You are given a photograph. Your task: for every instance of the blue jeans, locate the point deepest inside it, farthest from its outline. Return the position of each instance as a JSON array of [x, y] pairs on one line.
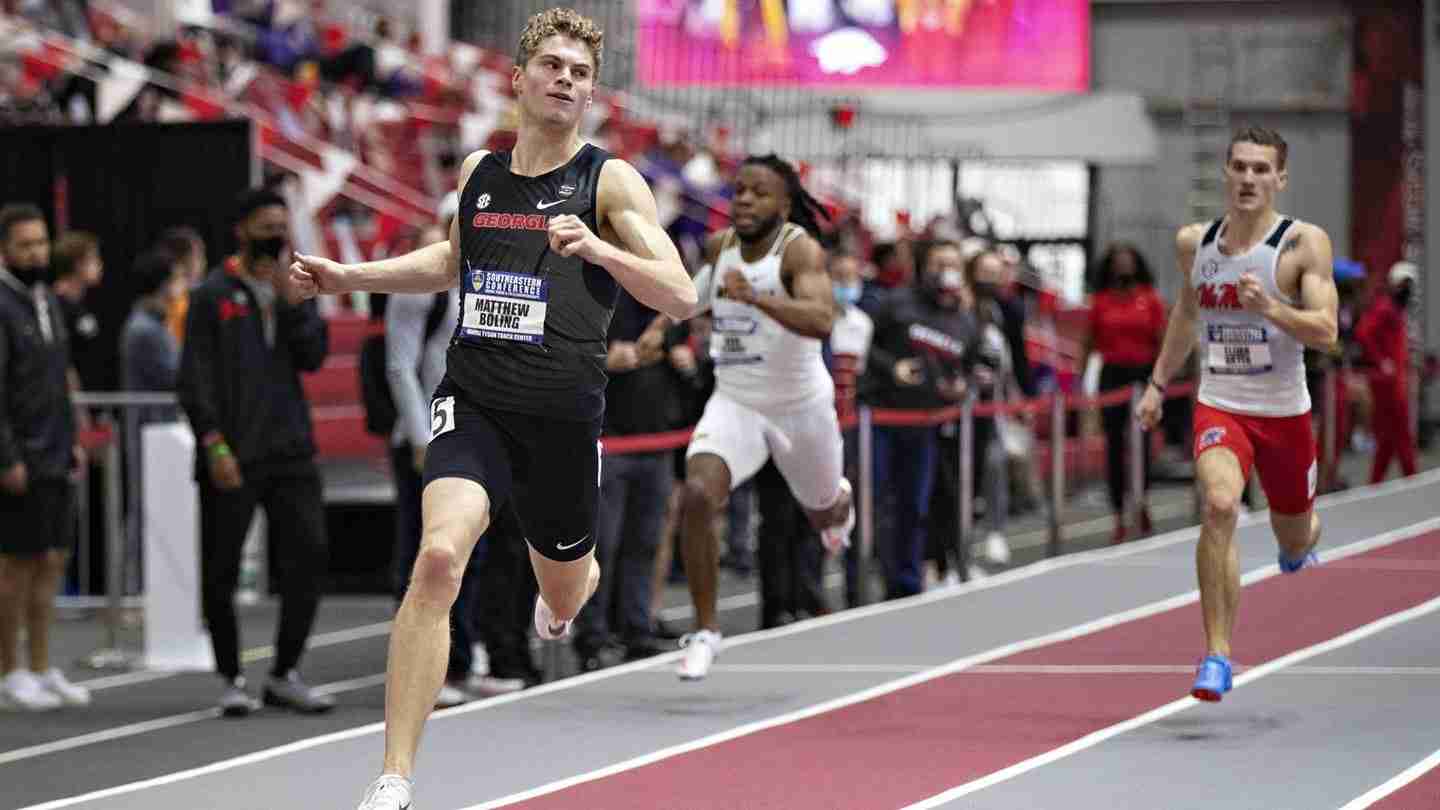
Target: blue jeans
[[905, 465]]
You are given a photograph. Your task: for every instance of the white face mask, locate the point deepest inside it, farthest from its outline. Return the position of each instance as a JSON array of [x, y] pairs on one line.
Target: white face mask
[[951, 280]]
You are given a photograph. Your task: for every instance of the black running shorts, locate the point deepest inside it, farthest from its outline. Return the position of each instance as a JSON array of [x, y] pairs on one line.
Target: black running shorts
[[550, 466], [41, 520]]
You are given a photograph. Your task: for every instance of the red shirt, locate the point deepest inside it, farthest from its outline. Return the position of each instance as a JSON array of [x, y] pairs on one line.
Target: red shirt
[[1382, 335], [1127, 325]]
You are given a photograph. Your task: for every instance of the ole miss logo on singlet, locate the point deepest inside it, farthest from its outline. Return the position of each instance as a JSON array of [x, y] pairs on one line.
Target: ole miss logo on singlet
[[1219, 296]]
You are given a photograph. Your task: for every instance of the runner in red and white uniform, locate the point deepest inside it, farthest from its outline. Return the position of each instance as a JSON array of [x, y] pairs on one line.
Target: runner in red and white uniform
[[1259, 290]]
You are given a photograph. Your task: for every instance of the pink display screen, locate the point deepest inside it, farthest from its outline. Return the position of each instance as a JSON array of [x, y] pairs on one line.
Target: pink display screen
[[850, 44]]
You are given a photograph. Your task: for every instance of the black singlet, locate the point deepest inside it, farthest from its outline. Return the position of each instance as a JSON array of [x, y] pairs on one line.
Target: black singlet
[[531, 334]]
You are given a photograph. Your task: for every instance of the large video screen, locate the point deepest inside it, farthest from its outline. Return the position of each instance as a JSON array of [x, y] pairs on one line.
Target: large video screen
[[853, 44]]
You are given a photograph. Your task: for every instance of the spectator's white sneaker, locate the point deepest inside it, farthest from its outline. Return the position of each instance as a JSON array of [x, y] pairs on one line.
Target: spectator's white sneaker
[[389, 792], [545, 625], [701, 650], [23, 690], [56, 684], [997, 550], [450, 697], [491, 685], [837, 537]]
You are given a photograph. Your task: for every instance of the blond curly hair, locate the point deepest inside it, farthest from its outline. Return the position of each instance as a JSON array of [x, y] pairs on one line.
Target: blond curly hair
[[566, 22]]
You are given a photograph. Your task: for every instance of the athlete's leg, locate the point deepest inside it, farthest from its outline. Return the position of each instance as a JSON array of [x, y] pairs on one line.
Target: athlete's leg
[[1296, 534], [728, 447], [810, 452], [565, 586], [1286, 463], [707, 487], [456, 512], [1217, 564]]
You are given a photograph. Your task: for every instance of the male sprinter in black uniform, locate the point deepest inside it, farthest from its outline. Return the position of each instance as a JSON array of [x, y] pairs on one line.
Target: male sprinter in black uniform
[[544, 234]]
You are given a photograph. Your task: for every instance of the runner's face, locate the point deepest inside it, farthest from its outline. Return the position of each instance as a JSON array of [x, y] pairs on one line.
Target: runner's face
[[556, 85], [1253, 178], [760, 203]]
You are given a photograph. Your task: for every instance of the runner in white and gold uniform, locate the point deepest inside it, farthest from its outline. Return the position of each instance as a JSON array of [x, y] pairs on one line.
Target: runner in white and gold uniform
[[772, 304]]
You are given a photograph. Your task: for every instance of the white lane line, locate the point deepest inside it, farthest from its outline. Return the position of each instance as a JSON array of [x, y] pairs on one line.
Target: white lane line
[[1014, 575], [1394, 783], [1249, 676], [967, 662], [161, 723], [1057, 669], [249, 656]]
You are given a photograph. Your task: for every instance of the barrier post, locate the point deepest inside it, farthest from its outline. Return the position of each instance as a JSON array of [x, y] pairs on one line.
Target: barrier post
[[1057, 472], [866, 463], [112, 656], [967, 479], [1135, 458], [82, 527]]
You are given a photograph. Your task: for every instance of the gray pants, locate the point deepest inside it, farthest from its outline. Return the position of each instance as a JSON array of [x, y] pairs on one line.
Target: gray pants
[[634, 490], [993, 471]]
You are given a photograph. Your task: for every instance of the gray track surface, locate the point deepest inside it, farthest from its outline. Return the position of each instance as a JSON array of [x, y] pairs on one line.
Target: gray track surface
[[493, 749]]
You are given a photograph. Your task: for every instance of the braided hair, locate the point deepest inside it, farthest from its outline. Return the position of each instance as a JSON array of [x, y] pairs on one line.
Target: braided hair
[[805, 210]]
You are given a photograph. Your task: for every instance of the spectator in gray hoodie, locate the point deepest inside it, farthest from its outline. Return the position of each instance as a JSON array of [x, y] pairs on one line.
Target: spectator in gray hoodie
[[150, 356]]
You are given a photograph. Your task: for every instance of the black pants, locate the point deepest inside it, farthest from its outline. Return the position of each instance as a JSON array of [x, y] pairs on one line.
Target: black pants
[[634, 491], [409, 524], [290, 493], [789, 551], [942, 537], [1117, 431], [505, 599]]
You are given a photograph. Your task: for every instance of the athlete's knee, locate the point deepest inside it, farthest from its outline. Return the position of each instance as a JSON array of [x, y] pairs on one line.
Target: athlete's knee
[[1220, 506], [437, 574], [703, 495]]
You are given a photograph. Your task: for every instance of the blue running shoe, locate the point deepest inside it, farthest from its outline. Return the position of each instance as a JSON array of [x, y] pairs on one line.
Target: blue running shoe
[[1289, 566], [1213, 680]]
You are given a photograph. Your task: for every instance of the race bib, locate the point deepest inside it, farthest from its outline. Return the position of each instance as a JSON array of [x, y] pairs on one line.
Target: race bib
[[442, 417], [733, 340], [504, 306], [1238, 349]]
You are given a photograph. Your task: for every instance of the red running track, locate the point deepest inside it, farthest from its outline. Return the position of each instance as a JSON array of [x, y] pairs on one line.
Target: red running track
[[916, 742], [1424, 792]]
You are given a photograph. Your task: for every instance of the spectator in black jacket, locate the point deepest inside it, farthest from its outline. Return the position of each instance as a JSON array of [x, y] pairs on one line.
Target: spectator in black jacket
[[240, 386], [922, 338], [37, 451]]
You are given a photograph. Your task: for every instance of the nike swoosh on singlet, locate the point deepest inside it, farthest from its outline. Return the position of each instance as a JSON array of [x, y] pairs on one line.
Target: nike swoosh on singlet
[[541, 206], [559, 547]]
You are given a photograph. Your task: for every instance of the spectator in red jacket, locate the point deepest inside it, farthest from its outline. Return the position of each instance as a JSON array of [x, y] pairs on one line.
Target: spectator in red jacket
[[1383, 335], [1127, 326]]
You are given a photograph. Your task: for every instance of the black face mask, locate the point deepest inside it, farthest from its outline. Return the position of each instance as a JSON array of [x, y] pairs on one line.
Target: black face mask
[[1402, 296], [32, 275], [985, 289], [267, 248]]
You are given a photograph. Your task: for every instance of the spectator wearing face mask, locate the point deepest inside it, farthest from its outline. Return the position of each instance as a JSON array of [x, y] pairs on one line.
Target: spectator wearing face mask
[[916, 361], [1002, 371], [245, 347], [1127, 328], [1384, 335], [37, 453]]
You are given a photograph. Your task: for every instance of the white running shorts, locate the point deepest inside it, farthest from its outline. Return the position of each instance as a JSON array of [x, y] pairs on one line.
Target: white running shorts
[[805, 443]]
